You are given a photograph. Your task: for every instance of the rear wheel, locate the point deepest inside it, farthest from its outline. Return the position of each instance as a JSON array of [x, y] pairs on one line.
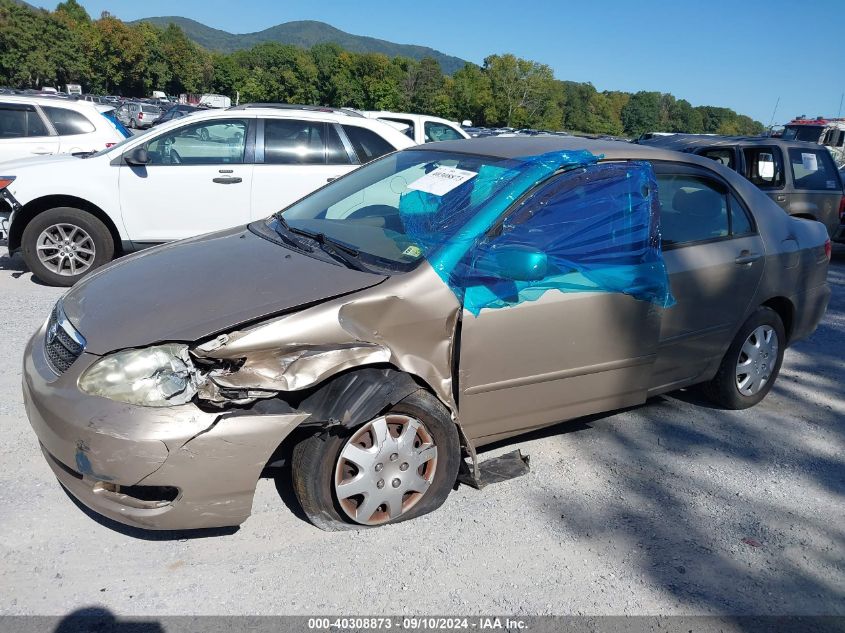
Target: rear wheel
[[62, 245], [397, 466], [751, 364]]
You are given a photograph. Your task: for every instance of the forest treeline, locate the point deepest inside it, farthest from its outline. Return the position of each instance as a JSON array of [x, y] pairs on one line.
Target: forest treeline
[[108, 56]]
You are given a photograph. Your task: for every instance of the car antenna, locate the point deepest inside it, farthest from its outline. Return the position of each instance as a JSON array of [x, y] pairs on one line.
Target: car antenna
[[772, 122]]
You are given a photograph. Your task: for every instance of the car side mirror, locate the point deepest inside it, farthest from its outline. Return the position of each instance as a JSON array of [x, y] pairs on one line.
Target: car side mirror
[[138, 156], [513, 262]]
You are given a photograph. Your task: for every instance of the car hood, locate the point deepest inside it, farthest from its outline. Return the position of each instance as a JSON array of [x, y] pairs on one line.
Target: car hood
[[188, 290]]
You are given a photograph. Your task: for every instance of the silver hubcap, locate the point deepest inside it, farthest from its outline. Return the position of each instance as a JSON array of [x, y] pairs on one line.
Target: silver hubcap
[[384, 469], [756, 360], [65, 249]]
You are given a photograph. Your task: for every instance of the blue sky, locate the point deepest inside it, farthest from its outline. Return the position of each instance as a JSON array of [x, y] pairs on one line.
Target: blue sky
[[742, 54]]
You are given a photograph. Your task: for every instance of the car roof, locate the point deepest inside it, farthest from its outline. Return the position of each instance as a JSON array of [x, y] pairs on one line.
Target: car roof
[[682, 141], [46, 100], [409, 115], [521, 146]]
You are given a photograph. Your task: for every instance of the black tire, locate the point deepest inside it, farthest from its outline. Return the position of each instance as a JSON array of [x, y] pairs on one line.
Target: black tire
[[723, 389], [132, 124], [103, 243], [315, 457]]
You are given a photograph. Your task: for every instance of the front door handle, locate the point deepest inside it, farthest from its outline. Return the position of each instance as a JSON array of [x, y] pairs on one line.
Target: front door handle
[[41, 151], [227, 180], [781, 198], [746, 258], [331, 178]]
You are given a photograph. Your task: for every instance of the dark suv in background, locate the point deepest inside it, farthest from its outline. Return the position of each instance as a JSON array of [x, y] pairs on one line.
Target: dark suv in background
[[801, 177]]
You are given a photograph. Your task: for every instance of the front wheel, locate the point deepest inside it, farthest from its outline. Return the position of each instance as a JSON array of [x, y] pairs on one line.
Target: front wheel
[[62, 245], [397, 466], [751, 364]]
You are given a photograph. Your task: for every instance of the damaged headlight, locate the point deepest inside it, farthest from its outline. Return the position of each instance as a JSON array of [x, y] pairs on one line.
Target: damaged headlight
[[159, 376]]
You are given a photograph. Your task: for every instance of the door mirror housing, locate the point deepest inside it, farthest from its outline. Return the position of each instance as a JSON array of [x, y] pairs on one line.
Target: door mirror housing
[[513, 262], [138, 156]]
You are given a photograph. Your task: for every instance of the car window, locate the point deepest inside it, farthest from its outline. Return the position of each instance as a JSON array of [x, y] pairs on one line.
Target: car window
[[151, 109], [203, 143], [20, 121], [691, 209], [336, 153], [294, 142], [724, 156], [740, 220], [409, 131], [368, 145], [811, 133], [812, 169], [763, 166], [67, 122], [440, 132]]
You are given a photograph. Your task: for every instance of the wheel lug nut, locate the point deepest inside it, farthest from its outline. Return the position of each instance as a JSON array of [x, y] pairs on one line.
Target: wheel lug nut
[[380, 484], [404, 466], [379, 467], [394, 457], [396, 483]]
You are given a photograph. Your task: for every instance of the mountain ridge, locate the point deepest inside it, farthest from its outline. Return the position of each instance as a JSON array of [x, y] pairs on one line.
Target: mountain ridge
[[302, 33]]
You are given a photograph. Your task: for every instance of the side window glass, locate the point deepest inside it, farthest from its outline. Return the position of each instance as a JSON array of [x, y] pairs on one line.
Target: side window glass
[[409, 130], [812, 169], [590, 229], [740, 222], [336, 153], [294, 142], [67, 122], [21, 122], [763, 166], [691, 209], [205, 143], [439, 132], [724, 156], [368, 145]]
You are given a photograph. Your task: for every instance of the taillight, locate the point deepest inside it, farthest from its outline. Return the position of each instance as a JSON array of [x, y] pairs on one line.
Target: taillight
[[140, 115], [842, 209], [5, 181], [828, 249], [108, 145]]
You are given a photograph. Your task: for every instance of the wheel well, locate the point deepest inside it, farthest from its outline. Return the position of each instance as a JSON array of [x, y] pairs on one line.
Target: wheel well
[[786, 312], [805, 216], [39, 205]]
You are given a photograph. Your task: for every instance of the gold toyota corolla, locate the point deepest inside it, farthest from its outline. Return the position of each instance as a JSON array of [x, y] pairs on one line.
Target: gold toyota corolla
[[387, 325]]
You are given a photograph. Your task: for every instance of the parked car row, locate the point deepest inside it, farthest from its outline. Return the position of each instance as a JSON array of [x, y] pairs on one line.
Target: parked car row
[[801, 177]]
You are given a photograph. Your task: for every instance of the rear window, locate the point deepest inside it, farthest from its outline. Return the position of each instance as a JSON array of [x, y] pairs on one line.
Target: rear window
[[151, 109], [67, 122], [813, 169], [811, 133]]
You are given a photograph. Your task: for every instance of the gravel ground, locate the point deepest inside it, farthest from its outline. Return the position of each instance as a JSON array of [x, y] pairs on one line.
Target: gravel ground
[[669, 508]]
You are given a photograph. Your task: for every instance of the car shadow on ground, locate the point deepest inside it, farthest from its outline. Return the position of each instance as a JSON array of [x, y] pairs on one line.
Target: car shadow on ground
[[17, 266], [102, 620]]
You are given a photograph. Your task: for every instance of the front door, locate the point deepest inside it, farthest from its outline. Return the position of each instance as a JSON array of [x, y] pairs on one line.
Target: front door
[[198, 180], [715, 259], [562, 305]]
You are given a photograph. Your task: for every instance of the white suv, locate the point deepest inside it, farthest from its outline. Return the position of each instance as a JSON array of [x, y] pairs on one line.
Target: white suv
[[33, 126], [213, 170], [421, 128]]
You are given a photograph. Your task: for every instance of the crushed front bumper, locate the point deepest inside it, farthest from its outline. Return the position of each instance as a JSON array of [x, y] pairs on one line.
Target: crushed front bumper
[[163, 468]]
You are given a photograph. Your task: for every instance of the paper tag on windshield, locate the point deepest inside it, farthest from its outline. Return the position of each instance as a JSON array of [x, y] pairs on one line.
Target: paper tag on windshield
[[442, 180], [810, 162]]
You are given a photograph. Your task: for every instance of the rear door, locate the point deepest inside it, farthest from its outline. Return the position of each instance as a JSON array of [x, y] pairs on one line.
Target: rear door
[[76, 132], [715, 259], [198, 180], [24, 133], [816, 186], [293, 158]]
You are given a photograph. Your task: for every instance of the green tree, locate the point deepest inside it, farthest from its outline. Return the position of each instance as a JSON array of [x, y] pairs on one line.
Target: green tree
[[641, 113], [520, 88]]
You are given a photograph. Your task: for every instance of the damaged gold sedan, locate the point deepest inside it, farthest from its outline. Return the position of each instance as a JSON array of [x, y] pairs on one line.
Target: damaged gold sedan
[[387, 325]]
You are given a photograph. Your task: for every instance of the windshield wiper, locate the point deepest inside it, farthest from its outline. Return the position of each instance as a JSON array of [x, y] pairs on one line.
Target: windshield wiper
[[343, 252], [287, 239]]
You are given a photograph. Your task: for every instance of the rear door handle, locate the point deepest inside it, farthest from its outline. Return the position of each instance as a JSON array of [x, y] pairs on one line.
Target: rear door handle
[[781, 198], [41, 151], [746, 257], [331, 178], [227, 180]]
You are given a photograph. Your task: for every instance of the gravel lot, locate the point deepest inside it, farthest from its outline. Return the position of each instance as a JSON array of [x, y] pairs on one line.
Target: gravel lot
[[645, 511]]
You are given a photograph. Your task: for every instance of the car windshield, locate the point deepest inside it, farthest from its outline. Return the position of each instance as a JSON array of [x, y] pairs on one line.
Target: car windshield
[[372, 209], [810, 133]]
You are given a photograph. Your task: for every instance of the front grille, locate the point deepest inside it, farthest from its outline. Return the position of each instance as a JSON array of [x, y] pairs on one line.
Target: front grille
[[61, 350]]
